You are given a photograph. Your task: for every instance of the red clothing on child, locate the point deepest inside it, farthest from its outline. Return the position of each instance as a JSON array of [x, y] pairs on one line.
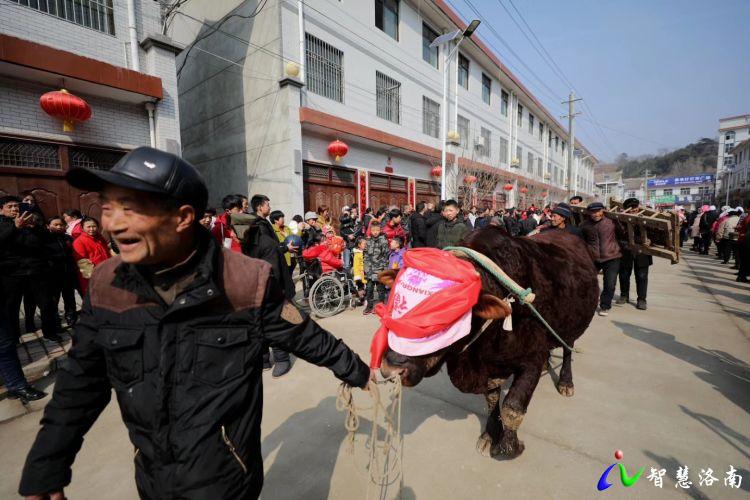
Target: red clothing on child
[[391, 232], [328, 260]]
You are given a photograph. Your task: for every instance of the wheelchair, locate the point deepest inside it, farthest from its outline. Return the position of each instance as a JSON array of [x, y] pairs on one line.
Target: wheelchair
[[325, 294]]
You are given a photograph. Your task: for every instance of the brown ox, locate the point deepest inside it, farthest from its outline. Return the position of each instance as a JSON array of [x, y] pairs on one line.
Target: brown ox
[[559, 269]]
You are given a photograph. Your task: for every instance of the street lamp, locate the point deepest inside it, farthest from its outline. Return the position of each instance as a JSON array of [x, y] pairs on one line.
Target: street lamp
[[445, 40]]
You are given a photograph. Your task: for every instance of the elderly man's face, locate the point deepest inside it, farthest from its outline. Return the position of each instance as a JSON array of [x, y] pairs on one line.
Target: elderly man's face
[[557, 220], [596, 215], [146, 232]]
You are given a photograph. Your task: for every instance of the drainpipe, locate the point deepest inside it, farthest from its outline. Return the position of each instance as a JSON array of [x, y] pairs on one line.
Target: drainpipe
[[151, 128], [134, 56]]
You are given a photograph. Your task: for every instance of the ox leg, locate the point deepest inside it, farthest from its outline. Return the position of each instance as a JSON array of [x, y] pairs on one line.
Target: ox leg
[[514, 408], [493, 428], [565, 382]]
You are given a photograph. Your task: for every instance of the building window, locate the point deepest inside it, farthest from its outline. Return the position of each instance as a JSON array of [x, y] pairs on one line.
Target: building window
[[463, 71], [24, 154], [557, 143], [684, 191], [539, 167], [557, 176], [388, 97], [504, 102], [549, 138], [563, 147], [651, 193], [463, 131], [531, 123], [430, 117], [324, 72], [667, 192], [484, 149], [541, 131], [519, 121], [704, 191], [503, 149], [429, 54], [486, 88], [728, 147], [519, 155], [530, 163], [386, 17], [729, 136], [94, 14]]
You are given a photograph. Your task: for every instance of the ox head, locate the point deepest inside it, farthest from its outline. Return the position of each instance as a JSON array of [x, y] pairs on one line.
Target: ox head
[[412, 369]]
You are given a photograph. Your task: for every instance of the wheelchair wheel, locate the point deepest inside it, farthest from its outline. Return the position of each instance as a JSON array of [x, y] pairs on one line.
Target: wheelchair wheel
[[326, 297]]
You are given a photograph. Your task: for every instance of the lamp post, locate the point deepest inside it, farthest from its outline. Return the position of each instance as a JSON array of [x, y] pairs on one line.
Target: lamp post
[[445, 40]]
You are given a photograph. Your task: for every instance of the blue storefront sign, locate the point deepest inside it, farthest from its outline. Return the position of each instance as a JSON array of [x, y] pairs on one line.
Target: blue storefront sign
[[687, 180]]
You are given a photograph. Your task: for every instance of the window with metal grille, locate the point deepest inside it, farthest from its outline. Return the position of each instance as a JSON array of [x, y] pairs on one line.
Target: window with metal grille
[[539, 167], [386, 17], [429, 54], [324, 68], [25, 154], [504, 102], [463, 71], [531, 123], [484, 146], [463, 131], [430, 117], [503, 149], [94, 14], [486, 88], [388, 97], [98, 159], [530, 163], [519, 121]]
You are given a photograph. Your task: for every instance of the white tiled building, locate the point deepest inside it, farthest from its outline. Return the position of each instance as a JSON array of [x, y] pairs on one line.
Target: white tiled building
[[361, 72], [738, 181], [732, 131], [89, 49]]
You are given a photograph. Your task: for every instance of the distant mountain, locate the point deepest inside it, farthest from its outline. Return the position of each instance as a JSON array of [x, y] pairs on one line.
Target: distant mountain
[[692, 159]]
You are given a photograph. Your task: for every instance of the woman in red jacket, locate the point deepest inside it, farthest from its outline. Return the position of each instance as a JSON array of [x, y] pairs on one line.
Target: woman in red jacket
[[322, 251], [89, 250]]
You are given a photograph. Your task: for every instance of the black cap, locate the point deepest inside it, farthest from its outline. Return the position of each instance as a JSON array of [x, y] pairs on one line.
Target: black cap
[[597, 205], [561, 211], [151, 171], [631, 203]]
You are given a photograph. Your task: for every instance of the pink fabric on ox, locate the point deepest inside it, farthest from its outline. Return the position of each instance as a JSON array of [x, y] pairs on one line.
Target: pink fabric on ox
[[412, 287]]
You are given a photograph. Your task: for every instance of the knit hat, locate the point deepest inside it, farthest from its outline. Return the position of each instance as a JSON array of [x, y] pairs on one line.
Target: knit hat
[[429, 307]]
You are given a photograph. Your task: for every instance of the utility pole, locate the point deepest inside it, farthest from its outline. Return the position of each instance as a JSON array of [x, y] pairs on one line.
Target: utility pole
[[571, 138]]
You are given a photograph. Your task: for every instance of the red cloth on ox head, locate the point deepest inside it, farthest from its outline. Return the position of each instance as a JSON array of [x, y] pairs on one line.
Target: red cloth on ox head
[[435, 313]]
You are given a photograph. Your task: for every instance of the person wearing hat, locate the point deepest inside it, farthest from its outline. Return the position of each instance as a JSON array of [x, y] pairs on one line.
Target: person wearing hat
[[559, 221], [176, 325], [312, 229], [600, 234], [630, 262]]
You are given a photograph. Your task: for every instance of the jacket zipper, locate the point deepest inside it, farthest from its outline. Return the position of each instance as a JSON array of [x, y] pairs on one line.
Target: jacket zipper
[[232, 449]]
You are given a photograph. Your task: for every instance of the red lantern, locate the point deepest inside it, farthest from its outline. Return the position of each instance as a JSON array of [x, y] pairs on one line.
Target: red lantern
[[470, 179], [338, 149], [508, 187], [436, 171], [524, 190], [544, 194], [64, 105]]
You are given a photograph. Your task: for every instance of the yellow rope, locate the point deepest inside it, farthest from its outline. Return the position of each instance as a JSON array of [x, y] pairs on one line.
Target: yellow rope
[[385, 443]]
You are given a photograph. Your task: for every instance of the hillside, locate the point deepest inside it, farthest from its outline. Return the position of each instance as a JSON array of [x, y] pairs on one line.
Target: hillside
[[692, 159]]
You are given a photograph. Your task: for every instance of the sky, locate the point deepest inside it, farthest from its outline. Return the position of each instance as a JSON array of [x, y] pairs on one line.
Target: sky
[[654, 74]]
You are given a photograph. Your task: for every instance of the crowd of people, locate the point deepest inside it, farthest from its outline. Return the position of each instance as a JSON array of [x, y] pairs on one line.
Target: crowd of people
[[727, 229]]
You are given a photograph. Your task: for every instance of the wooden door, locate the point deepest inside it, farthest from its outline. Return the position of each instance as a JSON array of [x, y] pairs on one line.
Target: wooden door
[[334, 187]]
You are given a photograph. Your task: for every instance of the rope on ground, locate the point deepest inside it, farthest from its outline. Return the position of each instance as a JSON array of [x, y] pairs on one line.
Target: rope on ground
[[385, 442]]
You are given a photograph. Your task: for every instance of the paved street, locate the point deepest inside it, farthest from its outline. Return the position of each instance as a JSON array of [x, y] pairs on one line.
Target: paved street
[[669, 386]]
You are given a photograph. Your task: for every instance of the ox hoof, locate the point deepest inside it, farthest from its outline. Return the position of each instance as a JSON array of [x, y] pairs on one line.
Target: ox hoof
[[566, 389], [508, 448], [484, 444]]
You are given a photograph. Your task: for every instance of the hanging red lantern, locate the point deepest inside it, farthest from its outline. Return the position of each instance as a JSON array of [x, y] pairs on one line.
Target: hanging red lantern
[[338, 149], [470, 179], [508, 187], [524, 190], [544, 194], [436, 171], [65, 106]]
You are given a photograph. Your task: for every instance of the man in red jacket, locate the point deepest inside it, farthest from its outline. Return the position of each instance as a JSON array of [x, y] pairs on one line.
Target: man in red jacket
[[600, 234], [222, 230], [393, 227]]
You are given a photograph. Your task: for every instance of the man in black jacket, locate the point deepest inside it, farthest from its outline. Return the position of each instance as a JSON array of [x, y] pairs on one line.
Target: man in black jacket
[[432, 218], [176, 325], [25, 268], [418, 226]]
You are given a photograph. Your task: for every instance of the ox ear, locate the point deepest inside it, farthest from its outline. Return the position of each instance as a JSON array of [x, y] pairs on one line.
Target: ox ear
[[387, 277], [491, 307]]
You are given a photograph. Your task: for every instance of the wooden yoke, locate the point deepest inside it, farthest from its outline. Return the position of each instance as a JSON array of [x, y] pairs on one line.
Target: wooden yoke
[[661, 229]]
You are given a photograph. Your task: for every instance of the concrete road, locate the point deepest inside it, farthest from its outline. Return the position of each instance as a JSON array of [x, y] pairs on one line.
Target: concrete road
[[670, 387]]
